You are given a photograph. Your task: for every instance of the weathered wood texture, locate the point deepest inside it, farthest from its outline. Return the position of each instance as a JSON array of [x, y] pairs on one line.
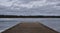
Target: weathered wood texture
[[29, 28]]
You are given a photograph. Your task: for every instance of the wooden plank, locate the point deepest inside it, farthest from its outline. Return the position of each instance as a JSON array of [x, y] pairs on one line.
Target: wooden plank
[[30, 28]]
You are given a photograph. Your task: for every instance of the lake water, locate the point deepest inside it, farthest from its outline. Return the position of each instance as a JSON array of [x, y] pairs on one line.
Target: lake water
[[6, 23]]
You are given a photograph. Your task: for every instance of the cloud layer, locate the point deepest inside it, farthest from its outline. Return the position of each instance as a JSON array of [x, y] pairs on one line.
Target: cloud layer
[[30, 7]]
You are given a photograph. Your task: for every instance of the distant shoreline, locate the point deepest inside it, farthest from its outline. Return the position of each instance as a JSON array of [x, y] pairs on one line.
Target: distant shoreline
[[37, 16]]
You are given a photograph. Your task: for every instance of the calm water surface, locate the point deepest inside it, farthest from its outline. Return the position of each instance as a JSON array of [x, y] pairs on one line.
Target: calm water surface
[[6, 23]]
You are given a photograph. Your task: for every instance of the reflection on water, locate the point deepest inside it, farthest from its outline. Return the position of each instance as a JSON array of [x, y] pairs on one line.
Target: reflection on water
[[53, 23]]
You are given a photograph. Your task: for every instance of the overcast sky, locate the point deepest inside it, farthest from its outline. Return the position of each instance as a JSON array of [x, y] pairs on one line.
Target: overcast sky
[[30, 7]]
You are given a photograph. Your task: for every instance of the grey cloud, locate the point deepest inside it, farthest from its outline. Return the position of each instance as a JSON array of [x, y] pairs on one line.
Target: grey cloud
[[58, 4], [53, 0], [50, 9], [3, 7], [27, 1], [10, 0]]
